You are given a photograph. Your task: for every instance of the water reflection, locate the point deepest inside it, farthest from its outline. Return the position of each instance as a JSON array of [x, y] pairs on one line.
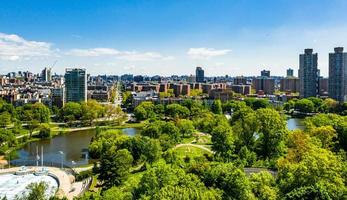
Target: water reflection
[[73, 145]]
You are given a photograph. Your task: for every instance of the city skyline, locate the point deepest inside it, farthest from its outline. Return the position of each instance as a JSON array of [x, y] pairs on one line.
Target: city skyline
[[171, 37]]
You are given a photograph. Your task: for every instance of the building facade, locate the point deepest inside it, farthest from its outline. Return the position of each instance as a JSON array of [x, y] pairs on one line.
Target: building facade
[[265, 73], [76, 85], [290, 84], [338, 75], [290, 72], [200, 75], [267, 85], [308, 74]]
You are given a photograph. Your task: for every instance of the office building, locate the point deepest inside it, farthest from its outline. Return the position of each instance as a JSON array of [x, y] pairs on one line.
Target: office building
[[46, 74], [199, 74], [338, 75], [76, 85], [290, 72], [265, 73], [308, 74]]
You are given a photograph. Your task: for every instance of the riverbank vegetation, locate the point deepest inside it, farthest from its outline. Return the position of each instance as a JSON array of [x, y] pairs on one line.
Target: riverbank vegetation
[[192, 151], [30, 122]]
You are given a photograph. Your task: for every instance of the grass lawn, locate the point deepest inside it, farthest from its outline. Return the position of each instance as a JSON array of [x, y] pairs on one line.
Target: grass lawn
[[203, 140], [188, 140], [190, 151]]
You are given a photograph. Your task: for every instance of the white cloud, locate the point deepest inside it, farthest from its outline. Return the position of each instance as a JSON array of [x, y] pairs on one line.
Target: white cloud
[[205, 53], [122, 55], [14, 47]]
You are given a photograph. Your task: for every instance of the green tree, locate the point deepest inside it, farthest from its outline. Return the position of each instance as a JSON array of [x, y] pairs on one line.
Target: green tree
[[326, 134], [177, 111], [223, 142], [41, 113], [115, 193], [245, 129], [32, 126], [317, 168], [186, 127], [163, 181], [144, 110], [36, 191], [5, 119], [71, 111], [216, 107], [264, 186], [114, 167], [230, 179], [272, 130], [304, 106], [44, 130]]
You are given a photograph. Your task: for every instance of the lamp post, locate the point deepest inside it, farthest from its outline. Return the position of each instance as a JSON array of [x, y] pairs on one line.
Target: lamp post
[[62, 159]]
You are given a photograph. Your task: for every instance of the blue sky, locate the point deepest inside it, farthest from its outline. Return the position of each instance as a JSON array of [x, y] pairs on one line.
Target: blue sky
[[234, 37]]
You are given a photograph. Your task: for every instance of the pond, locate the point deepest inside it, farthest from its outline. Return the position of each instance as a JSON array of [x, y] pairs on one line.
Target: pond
[[295, 123], [73, 145]]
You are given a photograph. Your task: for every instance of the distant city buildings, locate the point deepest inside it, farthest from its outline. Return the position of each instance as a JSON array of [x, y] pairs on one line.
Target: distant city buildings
[[76, 85], [308, 74], [290, 84], [265, 73], [200, 75], [338, 75], [264, 85], [46, 74], [290, 72]]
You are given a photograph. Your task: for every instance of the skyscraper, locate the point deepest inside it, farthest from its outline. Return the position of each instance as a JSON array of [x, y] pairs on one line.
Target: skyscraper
[[290, 72], [338, 75], [46, 74], [76, 85], [265, 73], [308, 74], [200, 75]]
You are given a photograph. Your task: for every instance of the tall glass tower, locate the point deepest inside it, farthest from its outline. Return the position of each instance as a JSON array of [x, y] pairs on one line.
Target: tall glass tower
[[338, 75], [308, 74], [200, 75], [76, 85]]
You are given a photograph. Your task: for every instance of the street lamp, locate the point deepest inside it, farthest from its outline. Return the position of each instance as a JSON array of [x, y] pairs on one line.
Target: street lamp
[[62, 159]]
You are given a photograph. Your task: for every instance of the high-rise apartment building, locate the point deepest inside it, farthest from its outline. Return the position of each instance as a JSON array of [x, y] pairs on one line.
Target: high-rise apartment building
[[264, 84], [290, 72], [308, 74], [46, 74], [265, 73], [76, 85], [200, 75], [338, 75]]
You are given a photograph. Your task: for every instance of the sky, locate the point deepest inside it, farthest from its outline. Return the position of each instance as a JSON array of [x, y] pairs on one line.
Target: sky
[[165, 37]]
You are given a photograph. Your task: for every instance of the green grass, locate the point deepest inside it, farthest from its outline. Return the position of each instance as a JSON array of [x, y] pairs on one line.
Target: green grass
[[190, 151], [188, 140], [203, 140]]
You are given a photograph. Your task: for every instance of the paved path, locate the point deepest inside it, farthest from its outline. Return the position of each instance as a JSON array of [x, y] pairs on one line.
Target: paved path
[[194, 145]]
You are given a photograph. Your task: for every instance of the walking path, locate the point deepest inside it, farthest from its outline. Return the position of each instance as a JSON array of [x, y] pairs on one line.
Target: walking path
[[193, 145]]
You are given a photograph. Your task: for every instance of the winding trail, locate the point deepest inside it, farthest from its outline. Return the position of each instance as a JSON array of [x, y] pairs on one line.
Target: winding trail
[[194, 145]]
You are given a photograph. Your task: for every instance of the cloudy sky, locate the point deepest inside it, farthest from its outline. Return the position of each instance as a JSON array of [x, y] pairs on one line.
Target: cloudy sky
[[233, 37]]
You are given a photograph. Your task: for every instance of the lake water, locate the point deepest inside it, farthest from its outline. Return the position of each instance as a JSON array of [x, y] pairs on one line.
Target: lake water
[[295, 123], [73, 145]]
